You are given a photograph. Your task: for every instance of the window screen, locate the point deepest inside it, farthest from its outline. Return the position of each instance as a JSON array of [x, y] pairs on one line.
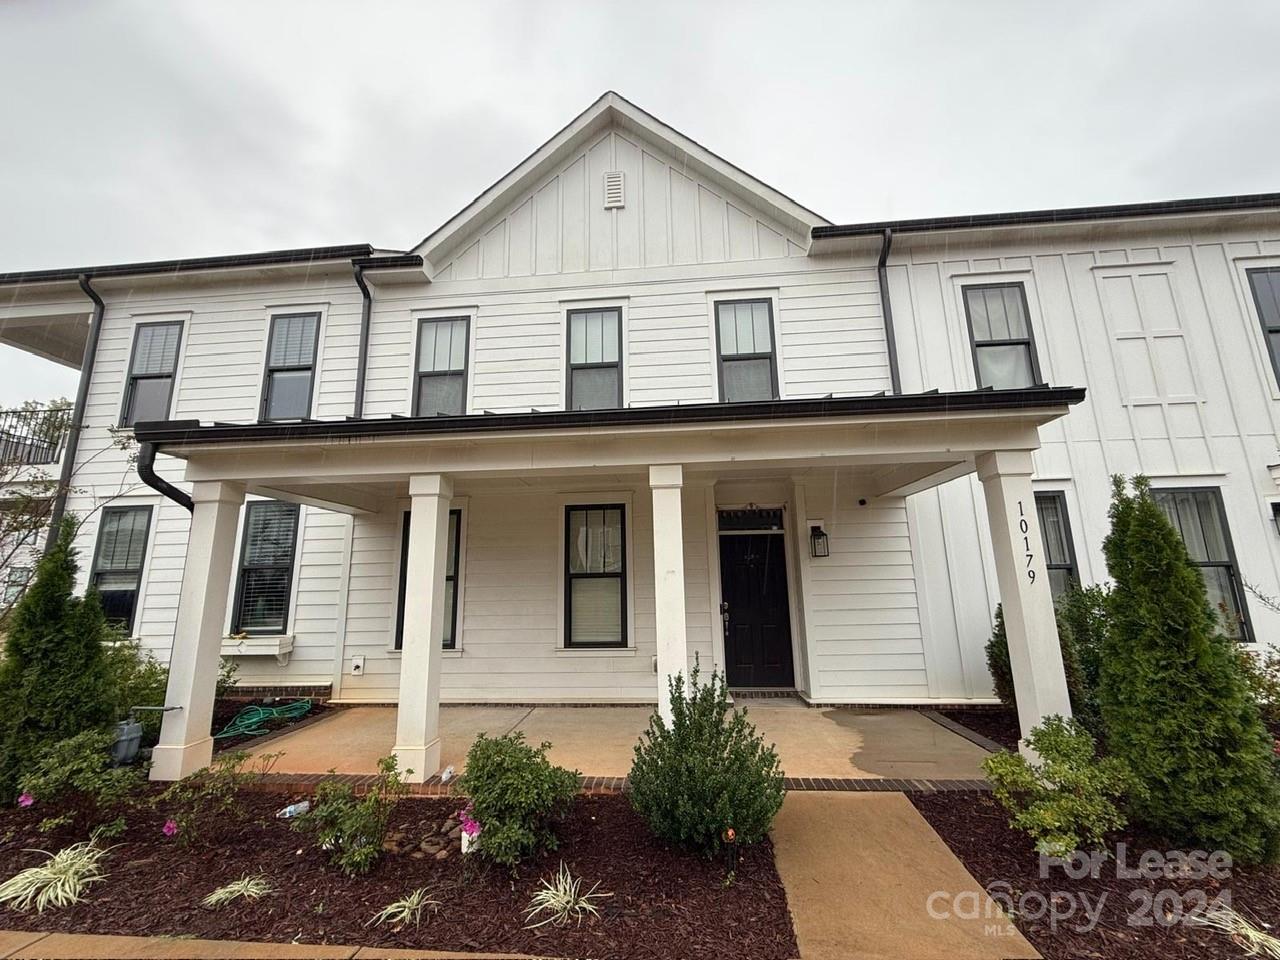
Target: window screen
[[595, 359], [595, 599], [266, 567], [151, 370], [1059, 553], [291, 355], [118, 559], [748, 364], [1004, 355], [442, 368], [1199, 518], [1266, 297], [450, 581]]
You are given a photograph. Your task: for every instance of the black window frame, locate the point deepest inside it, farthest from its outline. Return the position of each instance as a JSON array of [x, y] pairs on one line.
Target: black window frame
[[772, 355], [265, 402], [454, 576], [570, 366], [1070, 566], [1029, 341], [621, 576], [237, 613], [419, 374], [126, 407], [1267, 331], [96, 570], [1231, 564]]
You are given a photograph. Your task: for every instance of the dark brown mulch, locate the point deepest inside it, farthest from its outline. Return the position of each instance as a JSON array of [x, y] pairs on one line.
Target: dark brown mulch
[[1004, 861], [998, 724], [663, 904], [225, 710]]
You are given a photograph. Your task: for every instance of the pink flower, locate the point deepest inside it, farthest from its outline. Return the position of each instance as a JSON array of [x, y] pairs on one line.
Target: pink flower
[[25, 799], [170, 828]]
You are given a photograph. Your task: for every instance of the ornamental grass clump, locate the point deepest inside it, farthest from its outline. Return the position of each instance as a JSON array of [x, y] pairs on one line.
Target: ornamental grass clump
[[707, 775], [1176, 706], [61, 881]]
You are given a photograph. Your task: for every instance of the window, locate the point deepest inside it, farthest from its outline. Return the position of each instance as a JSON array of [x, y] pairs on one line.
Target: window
[[744, 335], [450, 581], [151, 370], [266, 567], [1004, 353], [1059, 552], [1266, 296], [117, 561], [595, 588], [1198, 515], [595, 359], [291, 357], [442, 368]]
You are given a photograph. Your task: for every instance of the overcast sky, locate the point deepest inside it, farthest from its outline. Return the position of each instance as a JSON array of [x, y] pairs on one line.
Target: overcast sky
[[150, 130]]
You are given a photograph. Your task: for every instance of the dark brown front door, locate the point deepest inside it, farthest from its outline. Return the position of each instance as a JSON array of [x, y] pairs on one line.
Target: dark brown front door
[[757, 624]]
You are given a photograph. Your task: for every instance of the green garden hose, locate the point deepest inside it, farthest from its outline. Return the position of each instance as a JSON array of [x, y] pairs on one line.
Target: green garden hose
[[251, 720]]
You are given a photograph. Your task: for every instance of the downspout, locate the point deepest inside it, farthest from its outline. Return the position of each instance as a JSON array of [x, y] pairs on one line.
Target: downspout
[[362, 358], [147, 474], [886, 308], [77, 413]]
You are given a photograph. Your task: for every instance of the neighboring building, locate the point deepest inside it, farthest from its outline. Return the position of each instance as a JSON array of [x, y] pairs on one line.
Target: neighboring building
[[644, 408]]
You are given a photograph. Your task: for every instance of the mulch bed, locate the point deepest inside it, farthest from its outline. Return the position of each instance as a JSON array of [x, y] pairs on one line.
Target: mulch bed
[[1000, 725], [664, 903], [225, 710], [1004, 861]]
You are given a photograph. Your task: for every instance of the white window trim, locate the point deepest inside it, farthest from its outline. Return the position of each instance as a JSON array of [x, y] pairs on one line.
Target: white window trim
[[738, 293], [622, 304], [416, 317], [291, 613], [460, 587], [317, 368], [959, 321], [137, 319], [586, 499]]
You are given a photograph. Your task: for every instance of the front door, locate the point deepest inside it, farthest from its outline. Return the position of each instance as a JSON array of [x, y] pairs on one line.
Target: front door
[[757, 623]]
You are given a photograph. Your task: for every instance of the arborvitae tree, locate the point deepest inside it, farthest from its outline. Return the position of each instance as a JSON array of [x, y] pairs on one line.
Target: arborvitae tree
[[53, 678], [1173, 700]]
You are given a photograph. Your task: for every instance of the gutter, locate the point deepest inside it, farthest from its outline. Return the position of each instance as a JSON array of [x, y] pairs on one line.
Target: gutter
[[147, 474], [886, 309], [77, 414], [362, 356]]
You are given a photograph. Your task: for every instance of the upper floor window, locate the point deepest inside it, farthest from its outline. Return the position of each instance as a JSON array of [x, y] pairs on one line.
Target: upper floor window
[[266, 567], [117, 561], [595, 576], [1266, 296], [151, 369], [442, 368], [595, 359], [1198, 515], [291, 366], [748, 361], [1004, 352], [450, 641], [1059, 552]]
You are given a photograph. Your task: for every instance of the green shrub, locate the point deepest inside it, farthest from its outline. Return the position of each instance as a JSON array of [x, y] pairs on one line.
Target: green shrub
[[75, 776], [705, 773], [1002, 670], [517, 796], [350, 828], [1069, 798], [1175, 704], [53, 678], [199, 804]]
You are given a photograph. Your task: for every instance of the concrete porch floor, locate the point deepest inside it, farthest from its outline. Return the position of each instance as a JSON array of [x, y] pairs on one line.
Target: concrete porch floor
[[598, 741]]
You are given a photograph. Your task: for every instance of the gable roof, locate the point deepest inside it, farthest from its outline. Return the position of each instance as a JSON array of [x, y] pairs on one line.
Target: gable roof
[[610, 109]]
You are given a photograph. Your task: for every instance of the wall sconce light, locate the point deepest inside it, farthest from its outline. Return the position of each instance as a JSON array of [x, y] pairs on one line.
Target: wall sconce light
[[819, 545], [1275, 513]]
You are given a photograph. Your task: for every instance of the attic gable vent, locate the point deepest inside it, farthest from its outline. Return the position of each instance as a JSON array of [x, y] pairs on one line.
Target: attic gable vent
[[613, 193]]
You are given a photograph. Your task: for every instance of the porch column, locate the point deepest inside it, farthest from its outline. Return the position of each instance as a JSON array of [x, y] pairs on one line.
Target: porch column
[[185, 744], [418, 714], [666, 482], [1038, 676]]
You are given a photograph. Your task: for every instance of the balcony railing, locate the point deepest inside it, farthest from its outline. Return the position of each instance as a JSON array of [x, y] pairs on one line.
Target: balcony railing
[[33, 436]]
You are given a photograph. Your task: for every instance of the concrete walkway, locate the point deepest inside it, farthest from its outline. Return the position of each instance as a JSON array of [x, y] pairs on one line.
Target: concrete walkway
[[19, 945], [861, 871], [598, 741]]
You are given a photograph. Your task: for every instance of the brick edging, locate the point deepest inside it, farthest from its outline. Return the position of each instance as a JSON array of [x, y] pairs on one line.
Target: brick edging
[[959, 729]]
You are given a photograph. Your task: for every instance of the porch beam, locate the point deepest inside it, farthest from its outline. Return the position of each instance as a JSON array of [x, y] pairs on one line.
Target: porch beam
[[666, 482], [1034, 653], [418, 711], [185, 743]]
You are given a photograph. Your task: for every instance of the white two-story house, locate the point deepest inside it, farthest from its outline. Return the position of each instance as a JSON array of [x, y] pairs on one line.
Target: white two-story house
[[632, 407]]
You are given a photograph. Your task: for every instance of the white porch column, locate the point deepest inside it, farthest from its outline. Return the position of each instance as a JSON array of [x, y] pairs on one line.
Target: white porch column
[[666, 482], [185, 744], [1029, 621], [418, 714]]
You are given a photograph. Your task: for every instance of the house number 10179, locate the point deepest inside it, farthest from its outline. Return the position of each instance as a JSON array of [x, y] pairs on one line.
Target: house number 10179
[[1025, 529]]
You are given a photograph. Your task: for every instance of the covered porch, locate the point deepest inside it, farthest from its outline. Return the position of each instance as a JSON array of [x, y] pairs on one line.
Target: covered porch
[[668, 490]]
